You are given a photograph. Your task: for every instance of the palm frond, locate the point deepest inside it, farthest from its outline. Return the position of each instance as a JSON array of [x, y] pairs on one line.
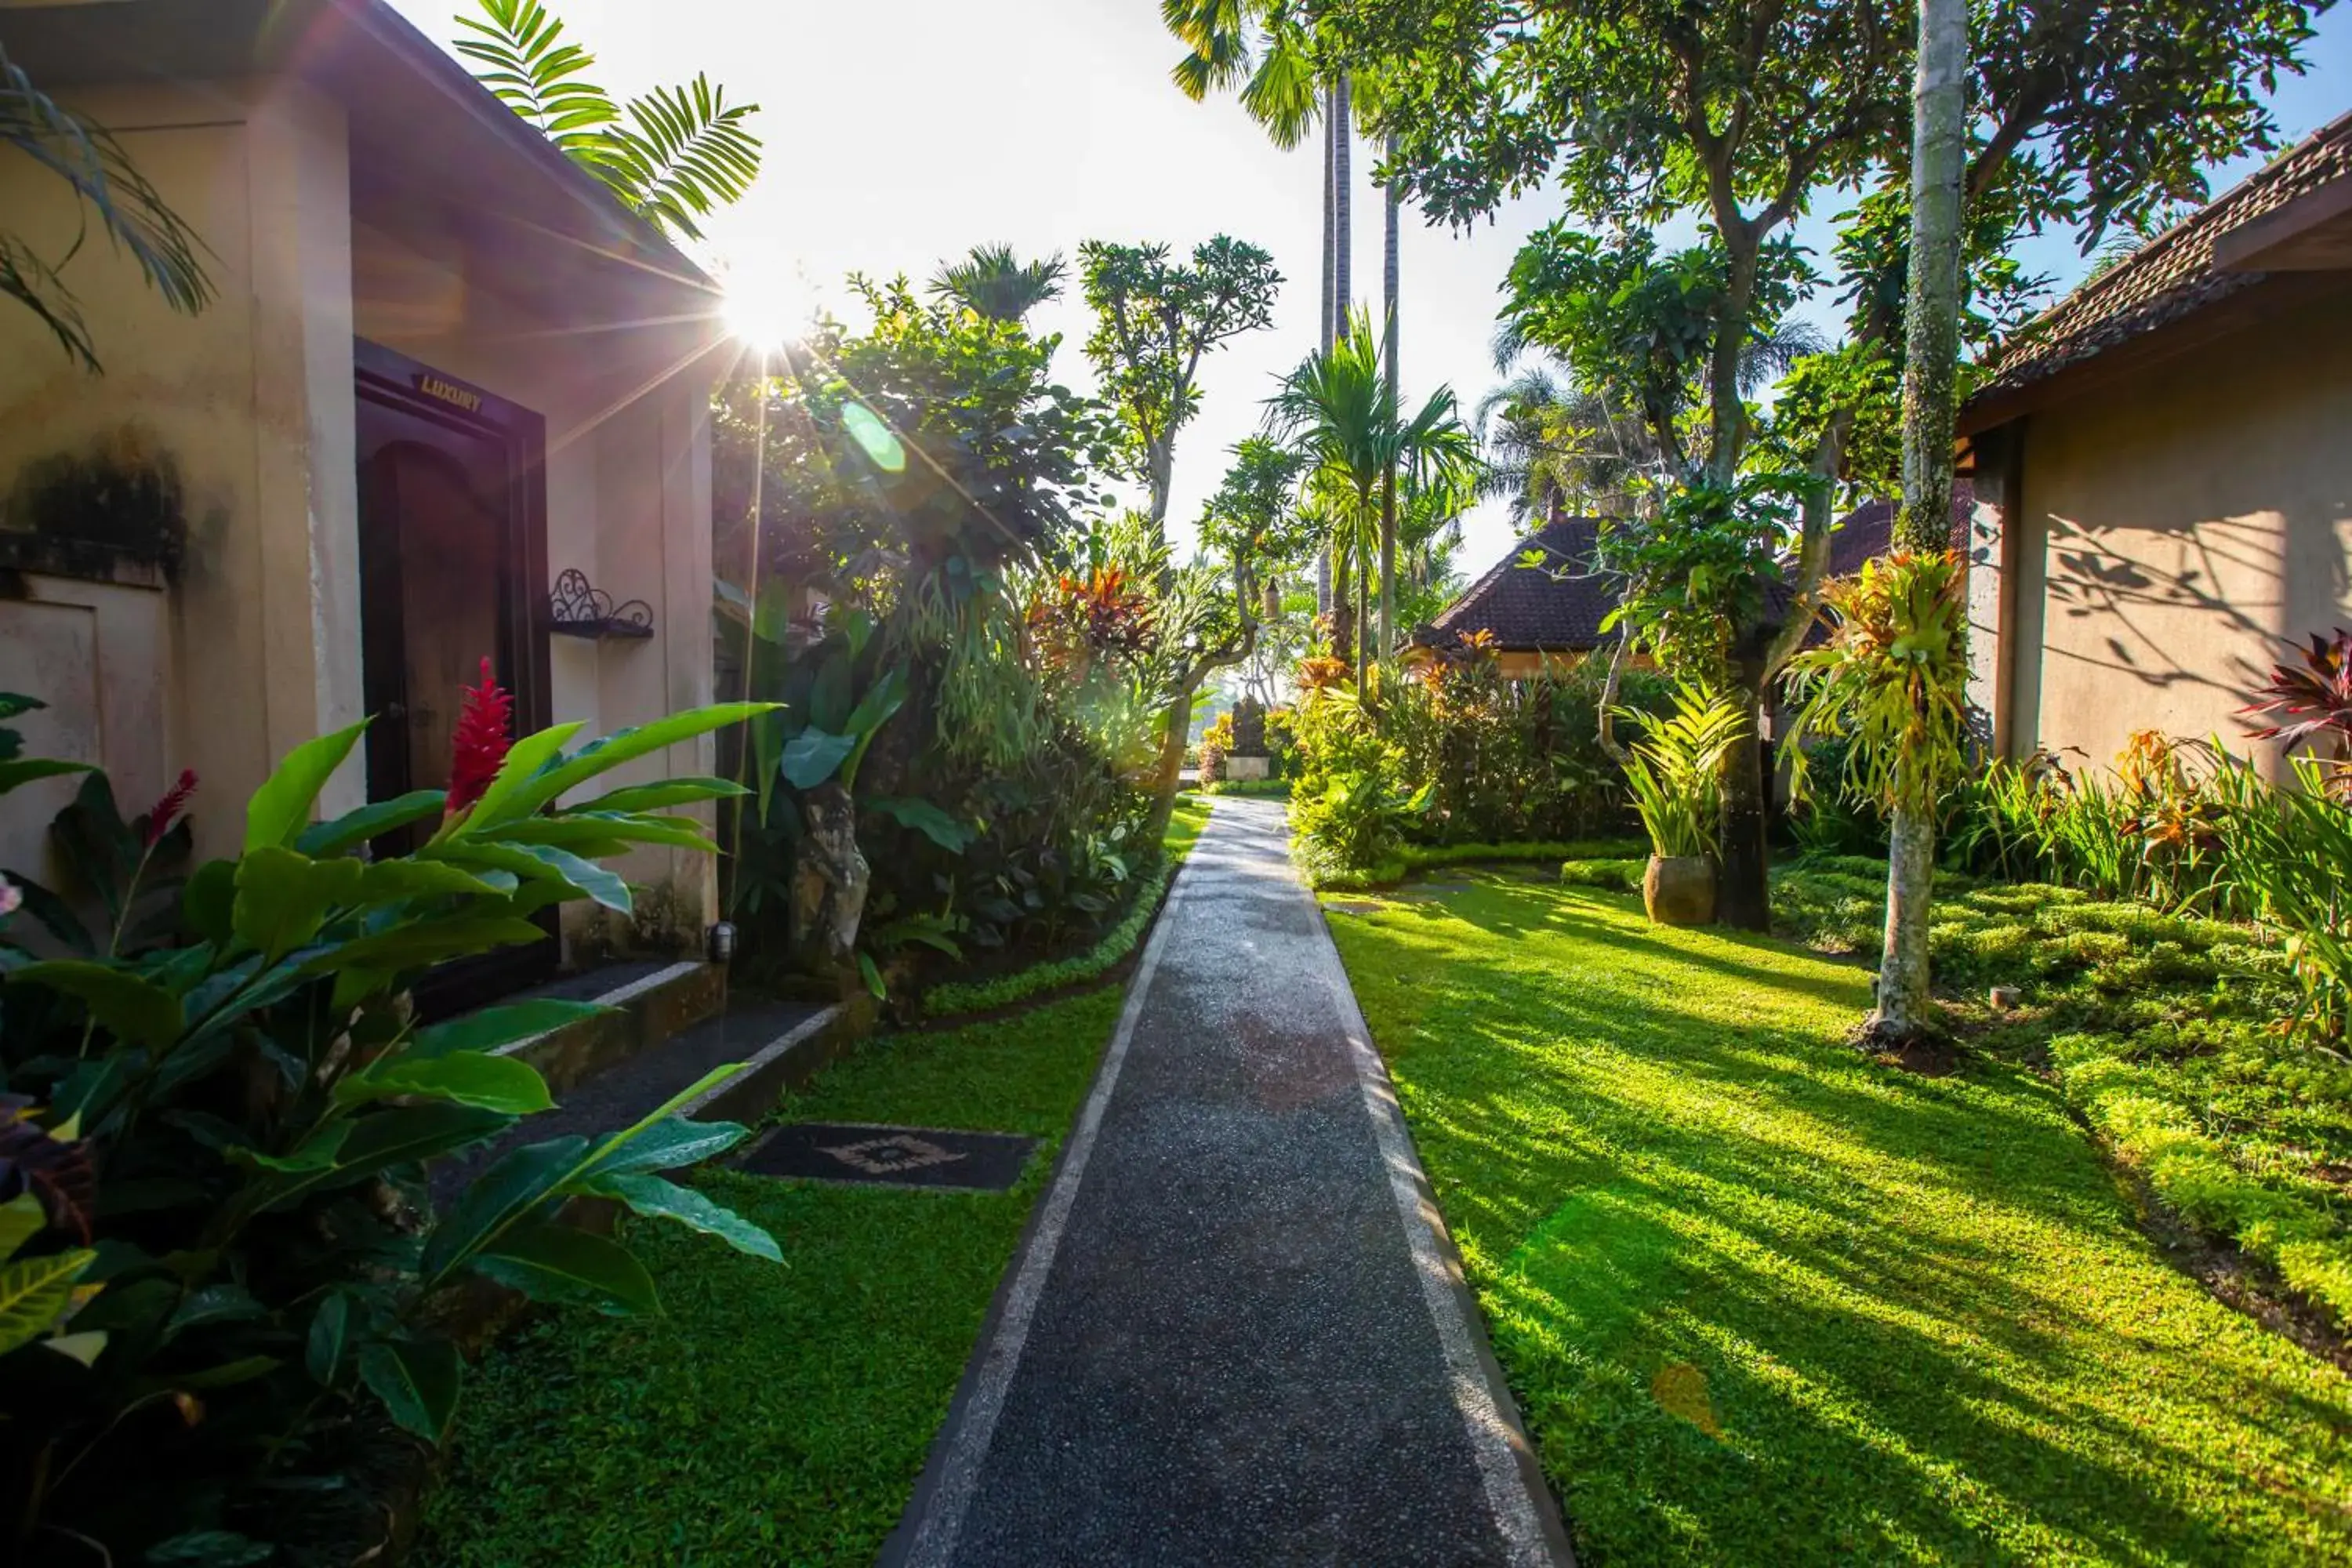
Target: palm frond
[[686, 151], [522, 58], [991, 282], [106, 184]]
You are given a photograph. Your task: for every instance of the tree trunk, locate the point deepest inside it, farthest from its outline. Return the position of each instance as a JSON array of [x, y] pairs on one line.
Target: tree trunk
[[1744, 894], [1388, 480], [1363, 620], [1343, 604], [1327, 330], [1932, 352], [1172, 740], [1343, 209]]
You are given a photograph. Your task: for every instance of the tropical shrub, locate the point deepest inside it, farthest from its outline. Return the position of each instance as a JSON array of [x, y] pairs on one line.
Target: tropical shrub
[[1893, 678], [1674, 769], [2313, 705], [1217, 745], [1350, 805], [264, 1289], [1507, 758]]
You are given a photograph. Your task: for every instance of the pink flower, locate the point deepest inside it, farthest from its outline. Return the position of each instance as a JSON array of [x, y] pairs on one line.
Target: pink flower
[[12, 897], [478, 747], [161, 816]]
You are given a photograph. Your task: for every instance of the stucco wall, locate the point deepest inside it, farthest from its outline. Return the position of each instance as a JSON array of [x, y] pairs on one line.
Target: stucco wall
[[2171, 530], [251, 399]]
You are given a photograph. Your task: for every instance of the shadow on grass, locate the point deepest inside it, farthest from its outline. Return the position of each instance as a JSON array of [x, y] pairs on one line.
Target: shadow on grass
[[1923, 1322]]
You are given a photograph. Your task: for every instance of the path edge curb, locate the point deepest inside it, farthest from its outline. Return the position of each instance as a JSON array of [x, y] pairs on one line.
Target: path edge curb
[[914, 1530], [1383, 1106]]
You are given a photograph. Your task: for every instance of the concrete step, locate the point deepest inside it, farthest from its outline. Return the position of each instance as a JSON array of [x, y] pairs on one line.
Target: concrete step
[[784, 1042], [650, 1000]]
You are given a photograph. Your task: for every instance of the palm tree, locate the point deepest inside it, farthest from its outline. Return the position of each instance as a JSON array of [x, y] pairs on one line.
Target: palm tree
[[1340, 411], [1257, 43], [1554, 447], [129, 211], [991, 282]]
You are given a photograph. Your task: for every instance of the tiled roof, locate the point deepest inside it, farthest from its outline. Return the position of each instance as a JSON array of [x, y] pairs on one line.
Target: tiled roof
[[2170, 277], [1559, 609]]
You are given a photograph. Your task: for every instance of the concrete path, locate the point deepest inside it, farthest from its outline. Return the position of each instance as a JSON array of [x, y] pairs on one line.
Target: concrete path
[[1236, 1333]]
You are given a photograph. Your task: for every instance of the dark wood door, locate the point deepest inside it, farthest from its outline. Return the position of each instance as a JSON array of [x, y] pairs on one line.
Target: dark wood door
[[453, 570]]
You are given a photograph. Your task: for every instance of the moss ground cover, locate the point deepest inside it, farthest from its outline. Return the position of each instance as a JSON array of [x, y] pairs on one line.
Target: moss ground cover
[[772, 1416], [1764, 1302], [2161, 1030]]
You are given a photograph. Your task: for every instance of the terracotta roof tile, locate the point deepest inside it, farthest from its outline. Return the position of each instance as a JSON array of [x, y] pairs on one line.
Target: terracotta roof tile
[[2170, 277]]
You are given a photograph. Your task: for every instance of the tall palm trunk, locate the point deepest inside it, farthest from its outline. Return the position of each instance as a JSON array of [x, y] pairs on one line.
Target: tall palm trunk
[[1334, 129], [1932, 352], [1388, 479]]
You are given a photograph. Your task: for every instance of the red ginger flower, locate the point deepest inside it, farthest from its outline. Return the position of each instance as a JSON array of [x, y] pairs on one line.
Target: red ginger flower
[[161, 816], [478, 747]]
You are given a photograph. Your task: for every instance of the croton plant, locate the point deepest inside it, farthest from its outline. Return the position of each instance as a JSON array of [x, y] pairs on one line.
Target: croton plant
[[223, 1288]]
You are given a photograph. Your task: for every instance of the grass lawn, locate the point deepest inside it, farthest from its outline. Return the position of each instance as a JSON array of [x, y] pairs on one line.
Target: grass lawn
[[773, 1416], [1763, 1301]]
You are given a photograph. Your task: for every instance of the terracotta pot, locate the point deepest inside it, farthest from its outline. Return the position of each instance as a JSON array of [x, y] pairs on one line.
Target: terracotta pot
[[1679, 889]]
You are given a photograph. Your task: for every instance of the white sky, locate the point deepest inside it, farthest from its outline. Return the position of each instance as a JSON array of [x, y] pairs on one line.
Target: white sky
[[900, 134]]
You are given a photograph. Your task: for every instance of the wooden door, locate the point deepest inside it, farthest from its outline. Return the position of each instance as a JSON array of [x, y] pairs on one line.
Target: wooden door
[[453, 556]]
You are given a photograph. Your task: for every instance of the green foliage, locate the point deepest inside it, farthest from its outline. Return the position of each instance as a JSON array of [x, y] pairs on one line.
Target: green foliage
[[260, 1101], [1117, 943], [1350, 805], [1739, 1276], [2162, 1028], [1508, 759], [771, 1414], [992, 281], [1700, 567], [1156, 319], [674, 156], [1674, 768], [106, 185], [1894, 677]]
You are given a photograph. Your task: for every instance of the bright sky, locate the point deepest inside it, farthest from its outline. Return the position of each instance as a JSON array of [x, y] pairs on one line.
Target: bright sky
[[899, 135]]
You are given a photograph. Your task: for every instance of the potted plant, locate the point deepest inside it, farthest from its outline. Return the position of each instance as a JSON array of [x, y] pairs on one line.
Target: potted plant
[[1672, 773]]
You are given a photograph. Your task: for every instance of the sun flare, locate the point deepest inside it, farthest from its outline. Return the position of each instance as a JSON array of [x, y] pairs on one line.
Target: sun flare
[[768, 303]]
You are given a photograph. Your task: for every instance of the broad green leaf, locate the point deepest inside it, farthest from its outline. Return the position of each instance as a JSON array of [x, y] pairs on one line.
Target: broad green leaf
[[612, 1155], [663, 796], [527, 757], [670, 1145], [425, 942], [518, 1182], [214, 1304], [603, 885], [283, 898], [85, 1347], [208, 903], [33, 1291], [592, 834], [380, 1141], [132, 1008], [21, 1219], [329, 1337], [389, 881], [926, 819], [829, 697], [281, 808], [316, 1152], [491, 1028], [766, 737], [658, 1199], [417, 1380], [506, 1084], [814, 756], [227, 1374], [322, 839], [562, 1263], [626, 745], [25, 770]]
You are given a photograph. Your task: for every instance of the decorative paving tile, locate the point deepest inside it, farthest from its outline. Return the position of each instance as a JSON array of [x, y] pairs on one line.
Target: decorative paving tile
[[890, 1156]]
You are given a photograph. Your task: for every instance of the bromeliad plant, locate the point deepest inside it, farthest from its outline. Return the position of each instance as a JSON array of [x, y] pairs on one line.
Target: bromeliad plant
[[2312, 707], [258, 1098], [1672, 770]]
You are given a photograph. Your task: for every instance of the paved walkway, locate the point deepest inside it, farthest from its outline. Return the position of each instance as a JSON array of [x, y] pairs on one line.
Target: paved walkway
[[1234, 1334]]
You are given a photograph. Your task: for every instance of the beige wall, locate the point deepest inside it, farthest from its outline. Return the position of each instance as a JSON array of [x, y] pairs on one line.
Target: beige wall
[[259, 641], [2169, 530], [251, 398], [628, 476]]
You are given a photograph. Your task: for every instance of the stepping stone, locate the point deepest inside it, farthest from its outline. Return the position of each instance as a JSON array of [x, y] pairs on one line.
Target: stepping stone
[[873, 1155]]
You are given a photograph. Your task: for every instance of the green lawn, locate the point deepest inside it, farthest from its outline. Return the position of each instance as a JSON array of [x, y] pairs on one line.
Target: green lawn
[[775, 1416], [1763, 1301]]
